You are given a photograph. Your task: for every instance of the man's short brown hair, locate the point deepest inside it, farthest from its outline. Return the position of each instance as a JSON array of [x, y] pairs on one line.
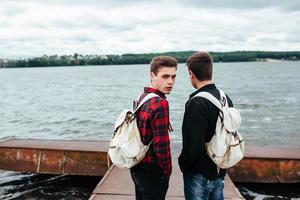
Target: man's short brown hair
[[201, 64], [162, 61]]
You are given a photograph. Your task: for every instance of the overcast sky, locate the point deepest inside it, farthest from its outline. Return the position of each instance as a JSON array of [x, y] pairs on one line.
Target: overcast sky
[[31, 28]]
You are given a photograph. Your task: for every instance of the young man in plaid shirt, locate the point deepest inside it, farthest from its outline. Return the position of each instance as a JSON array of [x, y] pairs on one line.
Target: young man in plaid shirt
[[151, 175]]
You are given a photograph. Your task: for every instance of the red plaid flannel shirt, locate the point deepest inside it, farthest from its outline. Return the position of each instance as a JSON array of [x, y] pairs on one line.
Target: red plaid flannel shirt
[[153, 123]]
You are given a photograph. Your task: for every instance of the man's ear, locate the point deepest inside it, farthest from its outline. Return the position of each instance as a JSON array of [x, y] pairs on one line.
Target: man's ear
[[152, 76], [191, 74]]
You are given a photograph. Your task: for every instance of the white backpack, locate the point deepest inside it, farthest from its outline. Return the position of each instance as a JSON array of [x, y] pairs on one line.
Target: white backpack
[[226, 147], [126, 148]]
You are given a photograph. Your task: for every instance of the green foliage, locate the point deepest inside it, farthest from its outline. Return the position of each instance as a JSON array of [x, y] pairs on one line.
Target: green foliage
[[181, 56]]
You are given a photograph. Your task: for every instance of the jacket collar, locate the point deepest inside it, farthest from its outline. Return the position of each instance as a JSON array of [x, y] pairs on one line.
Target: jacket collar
[[149, 90], [204, 88]]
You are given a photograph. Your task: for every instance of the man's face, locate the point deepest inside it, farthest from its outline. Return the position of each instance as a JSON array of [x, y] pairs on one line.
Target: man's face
[[164, 80]]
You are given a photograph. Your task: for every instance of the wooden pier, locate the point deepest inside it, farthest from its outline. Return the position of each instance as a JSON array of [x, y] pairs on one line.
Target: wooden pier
[[117, 185], [89, 158]]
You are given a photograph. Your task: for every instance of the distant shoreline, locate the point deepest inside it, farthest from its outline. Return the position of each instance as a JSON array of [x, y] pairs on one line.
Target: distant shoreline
[[181, 56], [271, 60]]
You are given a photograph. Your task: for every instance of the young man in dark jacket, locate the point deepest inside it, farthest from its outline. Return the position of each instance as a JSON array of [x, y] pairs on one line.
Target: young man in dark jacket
[[202, 178], [151, 175]]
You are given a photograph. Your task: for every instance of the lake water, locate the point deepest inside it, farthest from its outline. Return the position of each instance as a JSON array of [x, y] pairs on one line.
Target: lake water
[[83, 102]]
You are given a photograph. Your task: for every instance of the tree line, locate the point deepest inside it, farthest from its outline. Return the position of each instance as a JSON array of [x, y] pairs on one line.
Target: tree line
[[181, 56]]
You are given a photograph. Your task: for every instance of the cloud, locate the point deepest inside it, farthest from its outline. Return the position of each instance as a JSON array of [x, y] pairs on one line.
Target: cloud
[[35, 28], [291, 5]]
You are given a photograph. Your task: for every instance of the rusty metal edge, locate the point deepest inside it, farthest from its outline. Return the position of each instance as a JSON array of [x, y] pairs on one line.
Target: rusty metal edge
[[275, 176], [63, 171]]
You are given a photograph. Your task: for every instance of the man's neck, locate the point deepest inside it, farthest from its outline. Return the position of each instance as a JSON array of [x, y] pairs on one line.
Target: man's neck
[[201, 84]]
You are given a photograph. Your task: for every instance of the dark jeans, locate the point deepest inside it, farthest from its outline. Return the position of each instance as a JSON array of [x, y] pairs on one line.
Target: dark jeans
[[149, 182], [197, 187]]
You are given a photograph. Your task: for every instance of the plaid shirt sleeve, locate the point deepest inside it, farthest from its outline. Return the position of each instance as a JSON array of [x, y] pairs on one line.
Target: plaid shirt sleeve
[[161, 140]]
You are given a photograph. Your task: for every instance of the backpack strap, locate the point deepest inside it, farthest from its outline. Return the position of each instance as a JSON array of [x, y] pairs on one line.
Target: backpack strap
[[146, 98], [219, 103], [224, 101]]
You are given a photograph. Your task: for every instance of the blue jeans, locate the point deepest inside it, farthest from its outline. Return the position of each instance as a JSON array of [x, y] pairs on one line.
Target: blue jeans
[[197, 187]]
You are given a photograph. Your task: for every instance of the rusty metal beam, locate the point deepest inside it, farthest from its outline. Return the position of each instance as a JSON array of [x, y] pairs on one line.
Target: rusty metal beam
[[261, 164], [54, 156], [268, 165]]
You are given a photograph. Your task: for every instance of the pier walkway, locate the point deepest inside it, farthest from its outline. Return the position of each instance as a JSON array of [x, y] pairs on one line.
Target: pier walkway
[[117, 185]]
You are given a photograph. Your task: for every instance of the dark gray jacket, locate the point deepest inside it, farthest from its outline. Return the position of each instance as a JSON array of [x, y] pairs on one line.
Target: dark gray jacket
[[199, 124]]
